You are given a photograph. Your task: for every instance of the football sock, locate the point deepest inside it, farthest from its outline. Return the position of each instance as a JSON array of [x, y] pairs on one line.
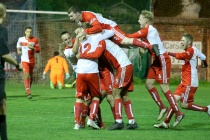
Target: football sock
[[131, 121], [169, 115], [84, 114], [118, 109], [93, 109], [154, 93], [27, 85], [31, 81], [195, 107], [101, 124], [3, 127], [140, 43], [172, 102], [128, 109], [78, 107]]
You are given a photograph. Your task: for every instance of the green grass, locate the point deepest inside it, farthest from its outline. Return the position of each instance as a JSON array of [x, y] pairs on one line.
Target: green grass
[[49, 116]]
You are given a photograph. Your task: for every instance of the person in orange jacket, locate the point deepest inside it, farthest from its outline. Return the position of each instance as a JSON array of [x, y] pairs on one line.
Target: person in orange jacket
[[58, 66]]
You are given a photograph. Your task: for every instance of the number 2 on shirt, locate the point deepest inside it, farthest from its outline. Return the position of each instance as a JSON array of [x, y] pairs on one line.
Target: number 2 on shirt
[[86, 48]]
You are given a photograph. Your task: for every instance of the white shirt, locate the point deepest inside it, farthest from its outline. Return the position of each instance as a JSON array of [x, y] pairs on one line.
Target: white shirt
[[68, 53], [116, 55], [154, 38], [88, 46]]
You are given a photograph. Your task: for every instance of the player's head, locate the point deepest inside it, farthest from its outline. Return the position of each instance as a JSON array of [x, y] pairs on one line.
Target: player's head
[[66, 38], [75, 14], [145, 18], [28, 32], [2, 11], [186, 40], [56, 53]]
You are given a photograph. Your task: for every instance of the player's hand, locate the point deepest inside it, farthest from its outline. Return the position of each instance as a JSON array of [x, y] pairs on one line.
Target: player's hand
[[205, 64], [43, 75], [86, 25], [31, 46], [67, 76], [78, 30], [19, 52], [78, 55], [81, 33]]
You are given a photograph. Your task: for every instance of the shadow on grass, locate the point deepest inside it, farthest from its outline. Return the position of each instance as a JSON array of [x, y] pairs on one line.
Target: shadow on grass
[[54, 98], [20, 96], [196, 126]]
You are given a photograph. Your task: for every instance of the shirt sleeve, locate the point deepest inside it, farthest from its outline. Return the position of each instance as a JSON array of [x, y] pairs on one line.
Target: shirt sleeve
[[91, 18], [97, 53], [140, 34], [18, 44], [37, 48], [200, 55], [48, 66], [185, 55]]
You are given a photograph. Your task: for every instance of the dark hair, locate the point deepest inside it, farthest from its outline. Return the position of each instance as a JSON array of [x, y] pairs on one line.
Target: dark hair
[[56, 53], [74, 9], [64, 32], [28, 28]]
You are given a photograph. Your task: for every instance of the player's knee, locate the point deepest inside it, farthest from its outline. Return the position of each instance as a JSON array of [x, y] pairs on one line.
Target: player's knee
[[125, 98], [148, 85], [184, 105], [103, 94]]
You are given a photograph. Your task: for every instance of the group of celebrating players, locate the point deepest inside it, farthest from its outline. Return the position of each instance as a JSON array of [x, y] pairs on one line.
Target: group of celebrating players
[[104, 70]]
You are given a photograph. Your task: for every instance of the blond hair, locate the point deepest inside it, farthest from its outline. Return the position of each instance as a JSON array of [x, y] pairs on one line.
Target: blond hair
[[2, 10], [148, 15]]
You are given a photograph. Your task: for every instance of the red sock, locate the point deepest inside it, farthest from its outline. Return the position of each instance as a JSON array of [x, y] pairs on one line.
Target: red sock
[[99, 117], [31, 81], [78, 107], [128, 109], [195, 107], [84, 114], [93, 109], [155, 96], [142, 44], [169, 115], [118, 108], [172, 102], [27, 85]]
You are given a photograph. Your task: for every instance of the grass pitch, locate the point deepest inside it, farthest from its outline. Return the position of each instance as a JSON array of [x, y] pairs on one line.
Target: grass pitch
[[49, 116]]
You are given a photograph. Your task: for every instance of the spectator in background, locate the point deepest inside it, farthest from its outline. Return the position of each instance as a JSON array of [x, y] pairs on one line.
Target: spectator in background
[[26, 47], [5, 56], [185, 92], [57, 65]]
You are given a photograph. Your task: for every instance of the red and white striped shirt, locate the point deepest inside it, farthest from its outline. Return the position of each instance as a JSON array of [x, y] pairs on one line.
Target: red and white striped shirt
[[27, 53], [151, 35], [189, 65]]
